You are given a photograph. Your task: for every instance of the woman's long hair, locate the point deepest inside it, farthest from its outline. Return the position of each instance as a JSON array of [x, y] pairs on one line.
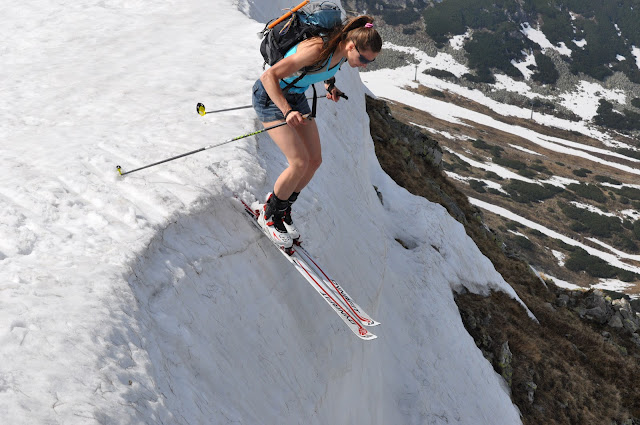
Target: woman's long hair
[[353, 30]]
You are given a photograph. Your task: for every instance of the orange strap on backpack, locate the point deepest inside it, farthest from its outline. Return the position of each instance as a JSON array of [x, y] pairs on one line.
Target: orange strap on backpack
[[286, 15]]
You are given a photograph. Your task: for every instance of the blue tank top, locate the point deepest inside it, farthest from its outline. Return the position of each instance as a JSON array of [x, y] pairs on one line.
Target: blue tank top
[[311, 77]]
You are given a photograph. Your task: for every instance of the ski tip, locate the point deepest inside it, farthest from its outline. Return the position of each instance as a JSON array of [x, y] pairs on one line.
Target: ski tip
[[372, 322], [368, 336], [365, 334]]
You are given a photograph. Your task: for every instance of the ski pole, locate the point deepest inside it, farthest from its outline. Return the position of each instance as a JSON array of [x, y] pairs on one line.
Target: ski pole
[[201, 109], [286, 15], [123, 173]]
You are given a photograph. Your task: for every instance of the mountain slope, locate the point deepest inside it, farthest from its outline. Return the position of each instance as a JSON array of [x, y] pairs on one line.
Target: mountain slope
[[151, 299]]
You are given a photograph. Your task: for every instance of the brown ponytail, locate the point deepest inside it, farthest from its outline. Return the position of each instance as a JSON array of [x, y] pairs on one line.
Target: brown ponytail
[[353, 30]]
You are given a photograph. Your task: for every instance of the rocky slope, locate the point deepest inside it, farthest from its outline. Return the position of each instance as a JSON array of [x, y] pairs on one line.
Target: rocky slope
[[581, 363]]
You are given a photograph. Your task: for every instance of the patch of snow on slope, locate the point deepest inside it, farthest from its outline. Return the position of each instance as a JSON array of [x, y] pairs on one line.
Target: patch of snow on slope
[[636, 52], [523, 66], [443, 61], [538, 36], [584, 101]]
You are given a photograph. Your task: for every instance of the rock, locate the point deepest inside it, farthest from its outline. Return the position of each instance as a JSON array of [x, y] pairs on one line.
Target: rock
[[506, 368], [630, 325], [531, 391], [563, 300], [597, 314], [616, 321], [596, 299]]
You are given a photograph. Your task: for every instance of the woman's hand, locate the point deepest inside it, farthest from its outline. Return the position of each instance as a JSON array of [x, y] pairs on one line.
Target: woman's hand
[[334, 93], [295, 119]]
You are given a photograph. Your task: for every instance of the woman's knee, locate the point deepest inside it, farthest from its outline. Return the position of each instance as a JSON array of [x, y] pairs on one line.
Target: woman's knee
[[315, 162], [300, 164]]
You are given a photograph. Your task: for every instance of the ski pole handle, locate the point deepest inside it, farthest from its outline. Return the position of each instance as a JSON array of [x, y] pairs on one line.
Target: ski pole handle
[[286, 15], [203, 111]]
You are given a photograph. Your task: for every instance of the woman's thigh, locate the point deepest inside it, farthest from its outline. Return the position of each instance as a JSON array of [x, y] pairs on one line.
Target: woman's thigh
[[290, 142], [310, 137]]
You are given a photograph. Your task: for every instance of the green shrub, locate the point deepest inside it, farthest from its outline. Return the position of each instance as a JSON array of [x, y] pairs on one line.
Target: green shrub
[[538, 233], [477, 185], [624, 243], [513, 225], [588, 191], [580, 260], [636, 229], [525, 172], [582, 172], [493, 175], [606, 179], [523, 242], [629, 192], [494, 50], [400, 17], [510, 163], [540, 169], [525, 192], [482, 76], [481, 144], [440, 73], [609, 118], [594, 223], [546, 72]]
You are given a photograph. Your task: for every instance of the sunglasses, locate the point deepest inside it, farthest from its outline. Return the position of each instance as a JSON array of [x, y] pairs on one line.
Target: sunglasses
[[362, 59]]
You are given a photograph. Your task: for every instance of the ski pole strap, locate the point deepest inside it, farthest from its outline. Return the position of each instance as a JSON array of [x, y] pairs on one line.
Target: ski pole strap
[[315, 102]]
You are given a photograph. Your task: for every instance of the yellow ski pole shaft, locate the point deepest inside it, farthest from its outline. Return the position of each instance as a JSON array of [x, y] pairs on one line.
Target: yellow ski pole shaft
[[124, 173]]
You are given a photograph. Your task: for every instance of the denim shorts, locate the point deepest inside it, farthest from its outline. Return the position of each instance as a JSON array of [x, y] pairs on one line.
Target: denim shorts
[[268, 111]]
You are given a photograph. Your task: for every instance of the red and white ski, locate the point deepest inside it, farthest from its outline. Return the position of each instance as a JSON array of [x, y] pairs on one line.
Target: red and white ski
[[352, 315], [355, 308]]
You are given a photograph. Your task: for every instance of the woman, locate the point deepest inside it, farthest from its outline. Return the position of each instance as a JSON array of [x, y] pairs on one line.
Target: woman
[[279, 95]]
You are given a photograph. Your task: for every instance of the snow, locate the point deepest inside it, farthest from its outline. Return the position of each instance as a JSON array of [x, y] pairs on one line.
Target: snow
[[636, 52], [580, 43], [443, 61], [538, 37], [529, 151], [457, 41], [584, 101], [504, 82], [150, 299], [592, 208], [529, 59]]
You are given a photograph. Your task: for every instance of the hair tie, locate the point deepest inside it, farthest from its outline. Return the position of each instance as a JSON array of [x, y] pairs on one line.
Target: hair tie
[[368, 25]]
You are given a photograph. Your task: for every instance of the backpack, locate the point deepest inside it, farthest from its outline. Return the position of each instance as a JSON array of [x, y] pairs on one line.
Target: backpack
[[308, 19]]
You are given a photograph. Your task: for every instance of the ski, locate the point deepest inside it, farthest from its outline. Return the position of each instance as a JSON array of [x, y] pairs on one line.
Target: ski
[[328, 292], [351, 304]]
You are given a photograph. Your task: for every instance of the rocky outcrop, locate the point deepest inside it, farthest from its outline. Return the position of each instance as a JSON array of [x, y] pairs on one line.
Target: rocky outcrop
[[619, 315]]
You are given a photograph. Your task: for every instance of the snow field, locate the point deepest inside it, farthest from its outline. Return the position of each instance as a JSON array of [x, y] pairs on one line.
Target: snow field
[[150, 299]]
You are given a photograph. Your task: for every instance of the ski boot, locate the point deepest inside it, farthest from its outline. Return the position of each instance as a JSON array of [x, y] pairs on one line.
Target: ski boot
[[270, 219]]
